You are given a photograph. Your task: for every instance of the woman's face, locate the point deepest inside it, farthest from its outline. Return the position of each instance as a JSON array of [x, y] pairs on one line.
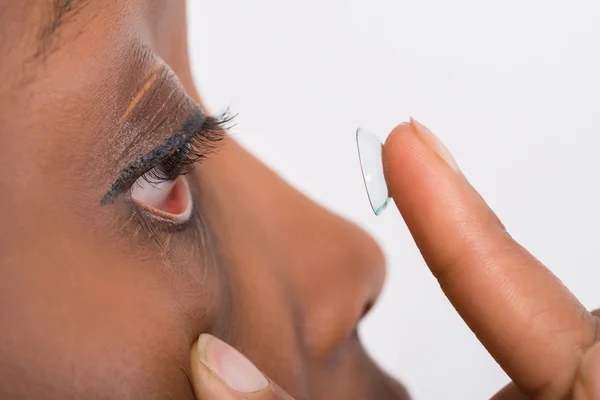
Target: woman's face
[[104, 300]]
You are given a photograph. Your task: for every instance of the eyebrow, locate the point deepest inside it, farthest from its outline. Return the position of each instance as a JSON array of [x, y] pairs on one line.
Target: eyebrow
[[160, 153], [60, 12]]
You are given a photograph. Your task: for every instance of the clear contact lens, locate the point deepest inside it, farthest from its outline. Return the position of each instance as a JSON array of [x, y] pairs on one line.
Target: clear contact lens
[[370, 153]]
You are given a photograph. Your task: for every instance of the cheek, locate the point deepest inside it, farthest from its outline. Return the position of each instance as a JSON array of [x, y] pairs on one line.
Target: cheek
[[93, 331]]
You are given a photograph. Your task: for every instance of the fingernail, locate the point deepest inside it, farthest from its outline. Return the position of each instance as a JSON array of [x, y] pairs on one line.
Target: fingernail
[[590, 372], [230, 365], [434, 143]]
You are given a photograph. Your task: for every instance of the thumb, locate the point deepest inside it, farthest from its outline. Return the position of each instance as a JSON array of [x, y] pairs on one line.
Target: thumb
[[587, 384], [221, 372]]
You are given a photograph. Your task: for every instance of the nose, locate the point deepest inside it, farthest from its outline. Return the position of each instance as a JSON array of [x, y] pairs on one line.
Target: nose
[[326, 269], [339, 271]]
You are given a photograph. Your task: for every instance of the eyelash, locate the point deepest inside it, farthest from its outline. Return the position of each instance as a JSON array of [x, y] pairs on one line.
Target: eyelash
[[201, 144], [174, 156]]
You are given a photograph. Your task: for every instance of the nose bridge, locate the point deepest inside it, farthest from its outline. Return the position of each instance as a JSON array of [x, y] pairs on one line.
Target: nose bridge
[[341, 273], [331, 270]]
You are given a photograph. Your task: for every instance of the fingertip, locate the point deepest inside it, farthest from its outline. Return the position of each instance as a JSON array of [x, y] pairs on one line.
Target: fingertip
[[414, 130], [399, 150], [397, 137]]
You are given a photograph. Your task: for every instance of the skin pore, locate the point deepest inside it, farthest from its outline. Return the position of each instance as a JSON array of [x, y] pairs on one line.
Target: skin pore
[[104, 301]]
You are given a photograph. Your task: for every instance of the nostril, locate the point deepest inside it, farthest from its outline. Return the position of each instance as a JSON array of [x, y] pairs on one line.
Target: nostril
[[367, 308]]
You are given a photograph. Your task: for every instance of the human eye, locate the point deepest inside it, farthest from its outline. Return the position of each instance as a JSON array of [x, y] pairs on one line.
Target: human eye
[[157, 181]]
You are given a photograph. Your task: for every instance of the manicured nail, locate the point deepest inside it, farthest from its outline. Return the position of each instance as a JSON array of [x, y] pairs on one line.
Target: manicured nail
[[434, 143], [230, 365]]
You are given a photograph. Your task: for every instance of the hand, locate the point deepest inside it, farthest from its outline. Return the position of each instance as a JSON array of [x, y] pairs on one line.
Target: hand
[[529, 322], [220, 372]]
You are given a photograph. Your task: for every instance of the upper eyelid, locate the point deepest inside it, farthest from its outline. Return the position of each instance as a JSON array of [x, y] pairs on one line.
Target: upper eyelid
[[155, 107], [198, 135], [152, 75], [146, 162], [176, 105]]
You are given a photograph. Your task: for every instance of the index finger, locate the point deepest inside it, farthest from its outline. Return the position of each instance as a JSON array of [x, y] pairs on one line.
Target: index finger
[[526, 318]]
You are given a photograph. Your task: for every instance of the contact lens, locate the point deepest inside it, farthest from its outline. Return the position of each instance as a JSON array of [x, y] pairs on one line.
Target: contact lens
[[370, 153]]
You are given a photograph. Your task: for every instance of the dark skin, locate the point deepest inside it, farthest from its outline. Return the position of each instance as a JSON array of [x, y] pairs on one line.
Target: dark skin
[[105, 301], [93, 305]]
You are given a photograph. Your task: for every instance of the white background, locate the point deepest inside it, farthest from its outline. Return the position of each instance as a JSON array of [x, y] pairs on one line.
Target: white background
[[513, 89]]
